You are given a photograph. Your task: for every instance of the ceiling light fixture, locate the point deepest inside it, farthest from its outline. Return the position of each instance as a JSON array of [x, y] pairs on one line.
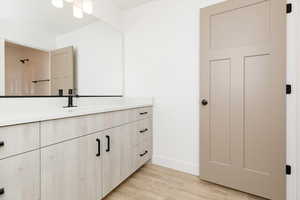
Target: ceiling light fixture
[[79, 6]]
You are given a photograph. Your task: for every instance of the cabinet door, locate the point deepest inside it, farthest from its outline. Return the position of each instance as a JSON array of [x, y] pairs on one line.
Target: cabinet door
[[20, 177], [72, 170], [128, 144], [111, 160]]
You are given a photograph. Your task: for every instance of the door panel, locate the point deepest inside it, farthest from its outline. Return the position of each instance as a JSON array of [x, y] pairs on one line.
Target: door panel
[[220, 111], [257, 120], [243, 59], [240, 26], [62, 70]]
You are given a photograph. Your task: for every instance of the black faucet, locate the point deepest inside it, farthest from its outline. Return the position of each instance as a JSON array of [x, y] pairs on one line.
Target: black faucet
[[70, 99]]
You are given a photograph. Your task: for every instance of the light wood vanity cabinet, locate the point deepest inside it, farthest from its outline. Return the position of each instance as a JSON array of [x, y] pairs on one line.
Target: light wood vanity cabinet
[[75, 158]]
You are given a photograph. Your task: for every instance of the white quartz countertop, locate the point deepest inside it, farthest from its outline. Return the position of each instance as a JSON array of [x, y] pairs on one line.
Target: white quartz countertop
[[7, 119]]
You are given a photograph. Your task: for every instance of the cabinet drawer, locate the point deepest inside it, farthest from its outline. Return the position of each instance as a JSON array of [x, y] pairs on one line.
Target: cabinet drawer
[[18, 139], [20, 177], [144, 130], [55, 131], [143, 113], [144, 153], [146, 149]]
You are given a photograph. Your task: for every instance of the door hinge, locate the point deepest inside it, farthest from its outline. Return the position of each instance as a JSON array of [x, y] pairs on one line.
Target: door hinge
[[288, 170], [288, 89], [289, 8]]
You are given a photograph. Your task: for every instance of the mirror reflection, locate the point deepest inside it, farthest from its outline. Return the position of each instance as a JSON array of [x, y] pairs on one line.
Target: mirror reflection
[[53, 49], [35, 72]]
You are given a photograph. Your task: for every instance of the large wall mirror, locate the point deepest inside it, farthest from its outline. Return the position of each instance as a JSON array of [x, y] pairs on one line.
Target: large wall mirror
[[46, 51]]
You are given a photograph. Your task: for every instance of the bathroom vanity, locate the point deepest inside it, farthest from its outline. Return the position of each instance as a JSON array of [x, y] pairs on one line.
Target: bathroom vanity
[[48, 152], [73, 156]]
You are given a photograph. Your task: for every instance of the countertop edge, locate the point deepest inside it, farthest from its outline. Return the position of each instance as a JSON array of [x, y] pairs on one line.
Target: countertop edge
[[68, 114]]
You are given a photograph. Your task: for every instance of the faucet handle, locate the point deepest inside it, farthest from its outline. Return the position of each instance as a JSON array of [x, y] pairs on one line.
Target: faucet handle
[[70, 91], [60, 92]]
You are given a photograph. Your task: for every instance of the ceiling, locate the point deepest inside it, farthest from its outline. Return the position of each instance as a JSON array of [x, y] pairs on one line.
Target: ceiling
[[42, 15], [127, 4]]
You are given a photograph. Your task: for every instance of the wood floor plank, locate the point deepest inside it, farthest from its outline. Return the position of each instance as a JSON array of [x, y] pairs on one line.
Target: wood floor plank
[[153, 182]]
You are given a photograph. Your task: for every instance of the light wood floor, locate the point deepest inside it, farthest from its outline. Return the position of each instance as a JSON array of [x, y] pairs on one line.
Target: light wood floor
[[153, 182]]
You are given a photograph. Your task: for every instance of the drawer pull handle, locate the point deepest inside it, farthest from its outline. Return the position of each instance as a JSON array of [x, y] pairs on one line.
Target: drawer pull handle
[[1, 143], [108, 143], [143, 131], [99, 147], [144, 113], [143, 154], [2, 191]]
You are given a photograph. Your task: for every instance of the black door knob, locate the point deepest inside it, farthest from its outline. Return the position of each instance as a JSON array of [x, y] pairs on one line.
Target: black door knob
[[2, 191], [204, 102]]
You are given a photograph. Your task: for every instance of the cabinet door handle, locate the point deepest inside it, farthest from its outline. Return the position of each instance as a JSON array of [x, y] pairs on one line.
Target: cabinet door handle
[[143, 154], [1, 143], [143, 113], [2, 191], [143, 131], [99, 147], [108, 143]]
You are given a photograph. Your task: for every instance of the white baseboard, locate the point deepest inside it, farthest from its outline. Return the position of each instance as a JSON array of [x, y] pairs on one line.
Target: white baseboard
[[179, 165]]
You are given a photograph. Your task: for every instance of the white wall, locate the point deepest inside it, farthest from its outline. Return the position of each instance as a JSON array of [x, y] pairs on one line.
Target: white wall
[[26, 34], [31, 33], [99, 58], [107, 11], [162, 60]]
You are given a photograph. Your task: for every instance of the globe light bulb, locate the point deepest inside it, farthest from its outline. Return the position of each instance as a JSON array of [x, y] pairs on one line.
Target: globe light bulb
[[77, 12], [58, 3], [87, 6]]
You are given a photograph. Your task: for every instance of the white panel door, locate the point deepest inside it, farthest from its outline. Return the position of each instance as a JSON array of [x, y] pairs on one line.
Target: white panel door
[[243, 71]]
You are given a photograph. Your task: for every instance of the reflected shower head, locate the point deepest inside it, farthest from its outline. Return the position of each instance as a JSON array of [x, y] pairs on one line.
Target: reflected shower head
[[24, 60]]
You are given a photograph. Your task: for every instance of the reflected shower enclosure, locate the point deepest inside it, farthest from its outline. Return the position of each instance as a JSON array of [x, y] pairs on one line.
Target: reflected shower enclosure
[[34, 72]]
